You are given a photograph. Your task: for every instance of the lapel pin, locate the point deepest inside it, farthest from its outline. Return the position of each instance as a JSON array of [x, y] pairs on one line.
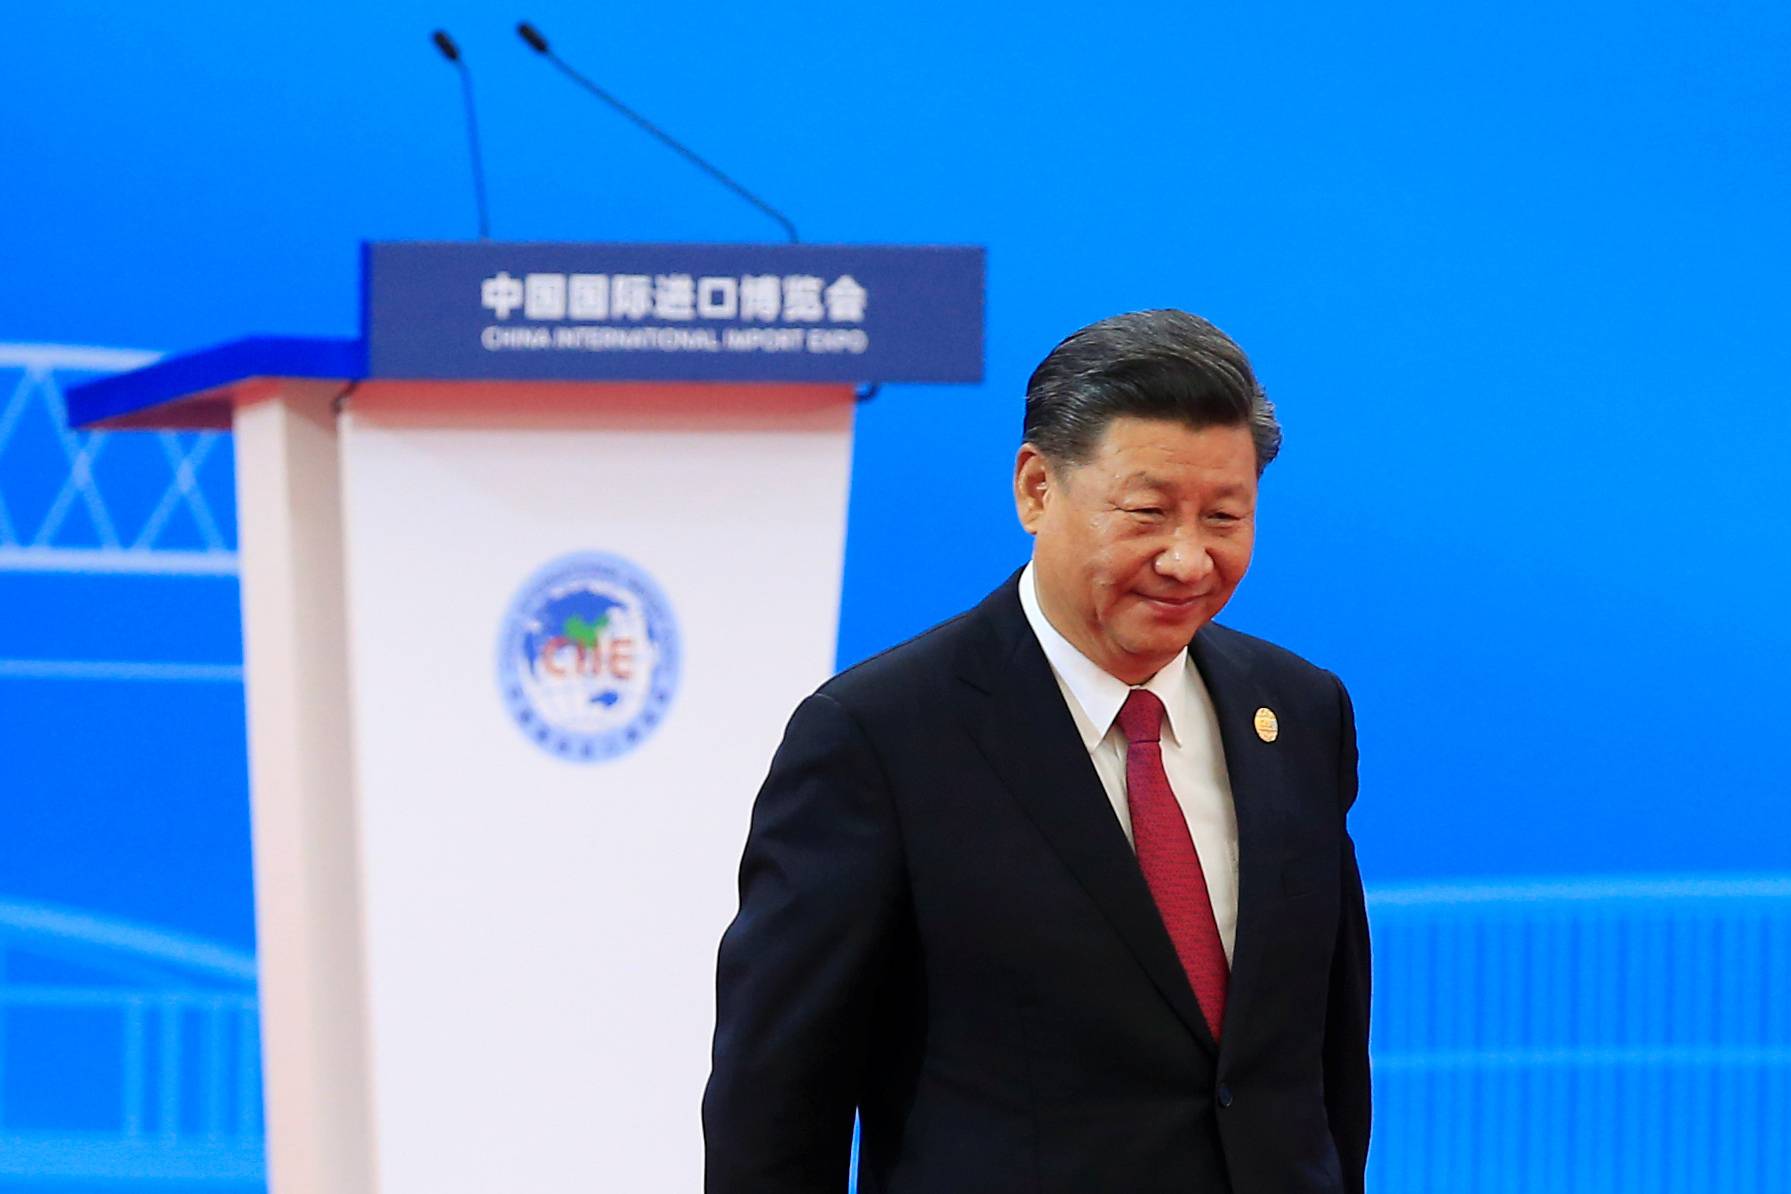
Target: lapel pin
[[1267, 728]]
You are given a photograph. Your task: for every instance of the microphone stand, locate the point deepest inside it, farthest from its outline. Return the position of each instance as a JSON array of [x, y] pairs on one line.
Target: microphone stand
[[536, 42], [451, 52]]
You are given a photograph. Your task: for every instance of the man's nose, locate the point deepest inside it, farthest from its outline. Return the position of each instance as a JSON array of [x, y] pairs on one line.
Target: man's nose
[[1185, 561]]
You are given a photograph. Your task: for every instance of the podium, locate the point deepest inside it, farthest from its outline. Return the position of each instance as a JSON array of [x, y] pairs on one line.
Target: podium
[[533, 570]]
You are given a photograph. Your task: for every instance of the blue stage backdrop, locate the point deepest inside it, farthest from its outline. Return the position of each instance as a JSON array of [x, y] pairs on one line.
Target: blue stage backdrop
[[1515, 275]]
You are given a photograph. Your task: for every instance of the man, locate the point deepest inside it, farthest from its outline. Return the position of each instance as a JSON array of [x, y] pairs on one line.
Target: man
[[1058, 896]]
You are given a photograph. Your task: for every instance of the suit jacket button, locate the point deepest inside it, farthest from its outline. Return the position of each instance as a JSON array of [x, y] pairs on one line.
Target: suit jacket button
[[1224, 1095]]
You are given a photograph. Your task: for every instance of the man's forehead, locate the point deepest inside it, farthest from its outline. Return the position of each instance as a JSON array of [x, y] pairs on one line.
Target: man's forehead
[[1144, 478], [1168, 453]]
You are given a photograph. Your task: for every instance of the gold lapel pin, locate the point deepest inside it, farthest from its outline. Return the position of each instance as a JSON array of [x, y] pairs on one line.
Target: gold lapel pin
[[1267, 727]]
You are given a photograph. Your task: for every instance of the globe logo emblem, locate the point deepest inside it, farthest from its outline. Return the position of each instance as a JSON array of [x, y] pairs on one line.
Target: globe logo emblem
[[588, 657]]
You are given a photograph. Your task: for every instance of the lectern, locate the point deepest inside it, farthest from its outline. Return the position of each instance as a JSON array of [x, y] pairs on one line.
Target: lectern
[[532, 572]]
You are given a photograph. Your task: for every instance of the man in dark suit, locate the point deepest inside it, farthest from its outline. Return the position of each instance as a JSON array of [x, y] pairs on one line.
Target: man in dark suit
[[1059, 896]]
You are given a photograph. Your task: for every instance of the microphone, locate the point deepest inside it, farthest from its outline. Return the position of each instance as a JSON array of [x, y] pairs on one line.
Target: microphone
[[537, 43], [451, 52]]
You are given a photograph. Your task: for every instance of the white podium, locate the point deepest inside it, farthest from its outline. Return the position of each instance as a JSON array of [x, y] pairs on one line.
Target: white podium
[[520, 635]]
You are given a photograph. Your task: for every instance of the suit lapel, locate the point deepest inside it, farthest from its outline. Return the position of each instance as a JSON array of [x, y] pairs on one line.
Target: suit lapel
[[1255, 771], [1025, 731]]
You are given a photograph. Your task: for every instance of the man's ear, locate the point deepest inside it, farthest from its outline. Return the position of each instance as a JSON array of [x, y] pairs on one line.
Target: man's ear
[[1032, 486]]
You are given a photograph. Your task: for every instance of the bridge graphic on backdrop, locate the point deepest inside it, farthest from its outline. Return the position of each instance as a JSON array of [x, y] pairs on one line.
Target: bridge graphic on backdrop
[[1623, 1036], [1588, 1036], [126, 1054], [120, 504], [76, 501]]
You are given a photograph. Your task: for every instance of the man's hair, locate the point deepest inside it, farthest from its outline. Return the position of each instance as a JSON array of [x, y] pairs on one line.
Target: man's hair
[[1149, 365]]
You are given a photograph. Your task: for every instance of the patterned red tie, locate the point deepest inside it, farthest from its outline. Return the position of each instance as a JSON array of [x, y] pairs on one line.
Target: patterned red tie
[[1166, 856]]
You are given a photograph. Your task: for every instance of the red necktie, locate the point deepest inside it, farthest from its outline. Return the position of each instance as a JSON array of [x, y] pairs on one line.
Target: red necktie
[[1167, 858]]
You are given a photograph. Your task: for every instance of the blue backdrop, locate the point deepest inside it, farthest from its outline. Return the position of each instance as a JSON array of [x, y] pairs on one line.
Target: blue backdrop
[[1515, 275]]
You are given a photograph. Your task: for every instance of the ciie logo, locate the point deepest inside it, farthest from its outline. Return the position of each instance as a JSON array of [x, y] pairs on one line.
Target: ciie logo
[[588, 657]]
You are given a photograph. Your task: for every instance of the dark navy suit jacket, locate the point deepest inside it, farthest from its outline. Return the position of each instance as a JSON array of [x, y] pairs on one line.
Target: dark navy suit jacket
[[943, 927]]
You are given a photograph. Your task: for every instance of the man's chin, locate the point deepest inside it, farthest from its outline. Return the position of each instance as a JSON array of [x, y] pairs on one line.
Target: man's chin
[[1161, 643]]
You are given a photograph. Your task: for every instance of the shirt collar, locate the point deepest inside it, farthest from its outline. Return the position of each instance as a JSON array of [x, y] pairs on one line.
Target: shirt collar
[[1098, 694]]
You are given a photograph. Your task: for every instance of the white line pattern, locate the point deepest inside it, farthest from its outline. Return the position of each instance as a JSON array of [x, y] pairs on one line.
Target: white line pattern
[[117, 669], [83, 527]]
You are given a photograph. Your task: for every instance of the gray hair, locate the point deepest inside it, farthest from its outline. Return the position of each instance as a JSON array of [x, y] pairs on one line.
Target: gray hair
[[1163, 364]]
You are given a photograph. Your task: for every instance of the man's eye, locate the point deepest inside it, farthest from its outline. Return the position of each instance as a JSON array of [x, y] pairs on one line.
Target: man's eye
[[1145, 511]]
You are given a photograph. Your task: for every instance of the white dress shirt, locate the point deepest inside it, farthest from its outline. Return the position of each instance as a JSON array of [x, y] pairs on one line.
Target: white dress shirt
[[1193, 756]]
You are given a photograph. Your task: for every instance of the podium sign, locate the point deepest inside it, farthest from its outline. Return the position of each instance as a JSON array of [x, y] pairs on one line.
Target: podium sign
[[522, 627], [675, 312]]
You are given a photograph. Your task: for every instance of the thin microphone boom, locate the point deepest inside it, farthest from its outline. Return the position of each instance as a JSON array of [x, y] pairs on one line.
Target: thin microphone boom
[[451, 52], [536, 42]]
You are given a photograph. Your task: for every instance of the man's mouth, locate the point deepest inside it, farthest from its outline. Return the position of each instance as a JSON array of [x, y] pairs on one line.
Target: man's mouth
[[1176, 602]]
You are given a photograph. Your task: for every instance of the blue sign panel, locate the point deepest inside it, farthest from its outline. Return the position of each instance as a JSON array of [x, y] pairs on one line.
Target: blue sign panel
[[577, 312]]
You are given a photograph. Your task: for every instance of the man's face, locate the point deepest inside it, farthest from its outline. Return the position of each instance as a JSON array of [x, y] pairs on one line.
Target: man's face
[[1138, 547]]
